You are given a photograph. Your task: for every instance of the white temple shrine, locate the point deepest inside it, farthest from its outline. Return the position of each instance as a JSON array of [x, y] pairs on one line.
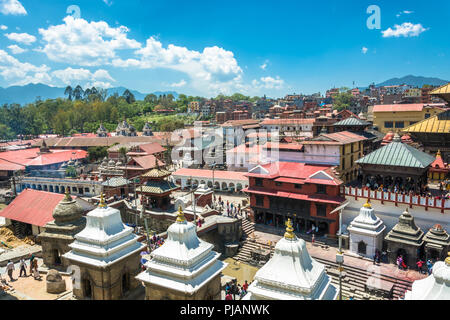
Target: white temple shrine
[[434, 287], [184, 267], [291, 274], [107, 253], [366, 232]]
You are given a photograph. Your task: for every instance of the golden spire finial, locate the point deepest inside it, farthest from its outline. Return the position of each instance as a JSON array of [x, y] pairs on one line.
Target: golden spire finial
[[67, 193], [102, 201], [289, 230], [447, 261], [438, 154], [367, 204], [180, 217]]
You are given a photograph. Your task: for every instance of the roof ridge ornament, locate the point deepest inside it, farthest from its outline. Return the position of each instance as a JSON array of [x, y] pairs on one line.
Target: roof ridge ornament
[[102, 201], [289, 230], [180, 217]]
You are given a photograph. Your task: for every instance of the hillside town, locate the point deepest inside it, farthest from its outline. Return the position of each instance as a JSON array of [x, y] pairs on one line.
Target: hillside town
[[341, 196]]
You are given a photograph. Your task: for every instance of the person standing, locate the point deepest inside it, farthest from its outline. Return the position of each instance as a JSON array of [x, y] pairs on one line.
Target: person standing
[[23, 266], [245, 286], [10, 269], [31, 263]]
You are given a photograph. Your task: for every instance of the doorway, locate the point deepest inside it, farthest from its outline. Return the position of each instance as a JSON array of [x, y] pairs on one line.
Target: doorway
[[125, 284], [87, 287]]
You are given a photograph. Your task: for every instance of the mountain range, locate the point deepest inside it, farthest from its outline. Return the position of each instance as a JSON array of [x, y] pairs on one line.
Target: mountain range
[[413, 81], [30, 92]]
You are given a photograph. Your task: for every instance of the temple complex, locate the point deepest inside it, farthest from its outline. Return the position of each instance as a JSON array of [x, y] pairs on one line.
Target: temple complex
[[405, 239], [396, 163], [107, 254], [60, 233], [184, 267], [291, 274], [437, 243], [439, 170], [434, 287], [156, 188], [366, 232]]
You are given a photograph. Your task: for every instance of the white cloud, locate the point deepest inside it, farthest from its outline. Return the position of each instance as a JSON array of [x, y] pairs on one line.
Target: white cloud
[[268, 83], [24, 38], [406, 29], [13, 7], [182, 83], [85, 43], [364, 50], [108, 2], [3, 27], [19, 73], [70, 76], [16, 49], [214, 70], [403, 12], [264, 65]]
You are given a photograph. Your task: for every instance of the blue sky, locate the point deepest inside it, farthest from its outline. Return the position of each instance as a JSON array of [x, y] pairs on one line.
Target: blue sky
[[210, 47]]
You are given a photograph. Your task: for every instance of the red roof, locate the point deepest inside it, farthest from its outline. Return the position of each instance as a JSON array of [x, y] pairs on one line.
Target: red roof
[[307, 173], [33, 207], [314, 198], [218, 174], [147, 162], [283, 146], [152, 148], [339, 138], [402, 107], [281, 122]]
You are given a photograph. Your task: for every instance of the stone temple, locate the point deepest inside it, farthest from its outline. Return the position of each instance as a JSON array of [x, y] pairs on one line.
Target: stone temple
[[291, 274], [366, 232], [184, 267], [107, 254], [60, 233]]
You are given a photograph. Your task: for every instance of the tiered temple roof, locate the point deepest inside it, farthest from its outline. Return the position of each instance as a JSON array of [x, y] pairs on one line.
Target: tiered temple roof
[[439, 123], [437, 237], [367, 222], [291, 274], [406, 231]]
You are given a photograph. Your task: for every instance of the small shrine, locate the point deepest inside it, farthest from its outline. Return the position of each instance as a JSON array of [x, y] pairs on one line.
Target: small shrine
[[156, 188], [434, 287], [60, 233], [366, 232], [107, 254], [405, 239], [125, 129], [101, 131], [291, 274], [439, 171], [147, 130], [437, 243], [184, 267]]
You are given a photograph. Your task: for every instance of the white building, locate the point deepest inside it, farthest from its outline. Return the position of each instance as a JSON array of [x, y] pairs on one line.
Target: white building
[[291, 274], [366, 232], [184, 267], [434, 287]]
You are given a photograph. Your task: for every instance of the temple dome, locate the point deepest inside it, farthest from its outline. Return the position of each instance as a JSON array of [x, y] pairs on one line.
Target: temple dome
[[67, 210]]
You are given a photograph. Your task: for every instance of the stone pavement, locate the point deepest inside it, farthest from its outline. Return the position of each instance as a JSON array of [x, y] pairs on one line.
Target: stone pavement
[[27, 288]]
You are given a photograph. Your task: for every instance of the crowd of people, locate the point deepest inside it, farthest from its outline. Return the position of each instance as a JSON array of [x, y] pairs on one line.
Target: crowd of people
[[10, 267], [156, 242], [234, 289], [231, 208]]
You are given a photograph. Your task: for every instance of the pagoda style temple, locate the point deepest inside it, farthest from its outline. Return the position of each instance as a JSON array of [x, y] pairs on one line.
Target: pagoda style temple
[[184, 267], [396, 163], [434, 287], [291, 274], [156, 188], [60, 233], [439, 170], [366, 232], [108, 255], [437, 243], [405, 239]]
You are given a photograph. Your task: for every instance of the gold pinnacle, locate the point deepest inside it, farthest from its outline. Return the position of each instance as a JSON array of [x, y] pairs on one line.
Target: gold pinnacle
[[102, 201], [367, 204], [180, 217], [447, 261], [289, 230]]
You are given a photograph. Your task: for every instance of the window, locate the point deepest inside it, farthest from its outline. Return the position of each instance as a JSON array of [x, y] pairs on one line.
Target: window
[[412, 122], [321, 188], [260, 200], [399, 124], [427, 115], [298, 186], [343, 163], [388, 124], [258, 182], [321, 210], [278, 184]]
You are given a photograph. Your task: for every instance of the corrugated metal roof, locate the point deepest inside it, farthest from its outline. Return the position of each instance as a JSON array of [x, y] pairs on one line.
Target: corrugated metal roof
[[116, 182], [352, 121], [157, 187], [399, 155], [437, 124]]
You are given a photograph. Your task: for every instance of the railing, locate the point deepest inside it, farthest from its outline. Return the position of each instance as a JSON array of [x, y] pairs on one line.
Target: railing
[[398, 198], [58, 181]]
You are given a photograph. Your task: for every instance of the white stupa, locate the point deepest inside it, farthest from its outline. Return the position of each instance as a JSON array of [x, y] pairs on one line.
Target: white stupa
[[291, 274], [105, 240], [183, 265], [434, 287], [366, 232]]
